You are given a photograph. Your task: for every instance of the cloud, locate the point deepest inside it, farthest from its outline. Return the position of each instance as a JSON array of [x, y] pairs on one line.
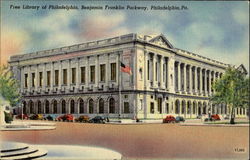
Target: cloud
[[13, 41], [240, 16], [96, 26]]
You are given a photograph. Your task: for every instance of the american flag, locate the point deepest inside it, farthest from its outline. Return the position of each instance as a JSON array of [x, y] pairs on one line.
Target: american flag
[[126, 69]]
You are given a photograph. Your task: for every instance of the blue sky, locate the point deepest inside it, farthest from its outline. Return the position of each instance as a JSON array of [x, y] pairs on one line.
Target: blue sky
[[218, 30]]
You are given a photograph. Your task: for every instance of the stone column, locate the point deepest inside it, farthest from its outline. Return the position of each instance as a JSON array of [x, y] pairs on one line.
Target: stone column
[[190, 79], [107, 76], [161, 72], [205, 83], [214, 80], [60, 75], [201, 81], [29, 78], [22, 79], [196, 79], [77, 75], [97, 71], [145, 69], [36, 79], [179, 76], [153, 70], [44, 77], [209, 82], [185, 78], [68, 75], [52, 76], [167, 80]]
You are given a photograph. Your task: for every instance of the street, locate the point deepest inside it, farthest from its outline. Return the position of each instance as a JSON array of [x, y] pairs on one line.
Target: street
[[163, 141]]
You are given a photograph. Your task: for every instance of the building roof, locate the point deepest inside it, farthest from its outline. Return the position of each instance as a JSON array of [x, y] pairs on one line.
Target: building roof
[[156, 40]]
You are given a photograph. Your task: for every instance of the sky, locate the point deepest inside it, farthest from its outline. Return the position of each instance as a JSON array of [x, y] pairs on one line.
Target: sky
[[217, 29]]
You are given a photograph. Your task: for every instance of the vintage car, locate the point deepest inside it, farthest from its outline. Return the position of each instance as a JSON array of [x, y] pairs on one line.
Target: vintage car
[[22, 116], [98, 119], [82, 119], [179, 119], [36, 117], [169, 119], [66, 117]]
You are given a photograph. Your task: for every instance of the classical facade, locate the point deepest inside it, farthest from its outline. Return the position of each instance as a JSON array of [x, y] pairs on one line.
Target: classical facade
[[86, 79]]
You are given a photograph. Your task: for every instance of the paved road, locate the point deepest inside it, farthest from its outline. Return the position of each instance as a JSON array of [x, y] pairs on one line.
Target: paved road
[[146, 140]]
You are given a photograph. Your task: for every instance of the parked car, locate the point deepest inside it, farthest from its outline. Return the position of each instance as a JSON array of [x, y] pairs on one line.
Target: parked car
[[97, 119], [215, 117], [179, 119], [22, 116], [36, 117], [226, 117], [82, 119], [50, 117], [169, 119], [66, 117]]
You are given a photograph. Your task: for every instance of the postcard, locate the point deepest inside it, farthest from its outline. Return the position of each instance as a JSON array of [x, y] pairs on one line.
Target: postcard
[[124, 79]]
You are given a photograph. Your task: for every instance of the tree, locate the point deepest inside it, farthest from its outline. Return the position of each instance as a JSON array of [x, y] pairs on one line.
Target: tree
[[232, 89], [8, 86]]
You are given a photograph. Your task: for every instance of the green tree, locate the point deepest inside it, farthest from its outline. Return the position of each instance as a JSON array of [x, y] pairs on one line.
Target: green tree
[[232, 89], [8, 86]]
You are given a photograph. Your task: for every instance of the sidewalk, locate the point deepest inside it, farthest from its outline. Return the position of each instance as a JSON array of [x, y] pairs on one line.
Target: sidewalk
[[27, 125]]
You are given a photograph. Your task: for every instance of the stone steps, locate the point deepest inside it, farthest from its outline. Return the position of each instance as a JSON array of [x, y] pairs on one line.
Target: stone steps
[[17, 151]]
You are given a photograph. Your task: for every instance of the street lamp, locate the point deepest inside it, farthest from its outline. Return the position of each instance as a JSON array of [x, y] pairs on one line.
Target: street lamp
[[22, 110]]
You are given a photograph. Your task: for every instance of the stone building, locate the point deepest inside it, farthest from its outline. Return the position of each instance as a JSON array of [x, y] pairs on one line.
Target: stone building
[[86, 79]]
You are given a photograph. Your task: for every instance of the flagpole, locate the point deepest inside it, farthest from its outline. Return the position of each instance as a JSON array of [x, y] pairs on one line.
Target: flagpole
[[120, 73]]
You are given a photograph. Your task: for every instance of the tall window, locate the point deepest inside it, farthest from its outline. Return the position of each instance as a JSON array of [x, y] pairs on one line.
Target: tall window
[[101, 106], [40, 79], [39, 107], [33, 79], [83, 74], [102, 72], [63, 106], [56, 77], [126, 107], [48, 78], [91, 106], [152, 107], [73, 75], [72, 106], [55, 107], [92, 74], [167, 107], [47, 107], [25, 80], [113, 71], [65, 76], [111, 105], [81, 106]]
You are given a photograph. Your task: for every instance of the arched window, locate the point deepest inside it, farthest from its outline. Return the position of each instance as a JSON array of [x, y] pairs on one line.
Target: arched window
[[91, 106], [183, 107], [47, 107], [72, 106], [188, 107], [81, 106], [101, 106], [204, 108], [39, 107], [111, 105], [194, 108], [55, 107], [24, 108], [31, 105], [199, 108], [63, 106], [177, 107]]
